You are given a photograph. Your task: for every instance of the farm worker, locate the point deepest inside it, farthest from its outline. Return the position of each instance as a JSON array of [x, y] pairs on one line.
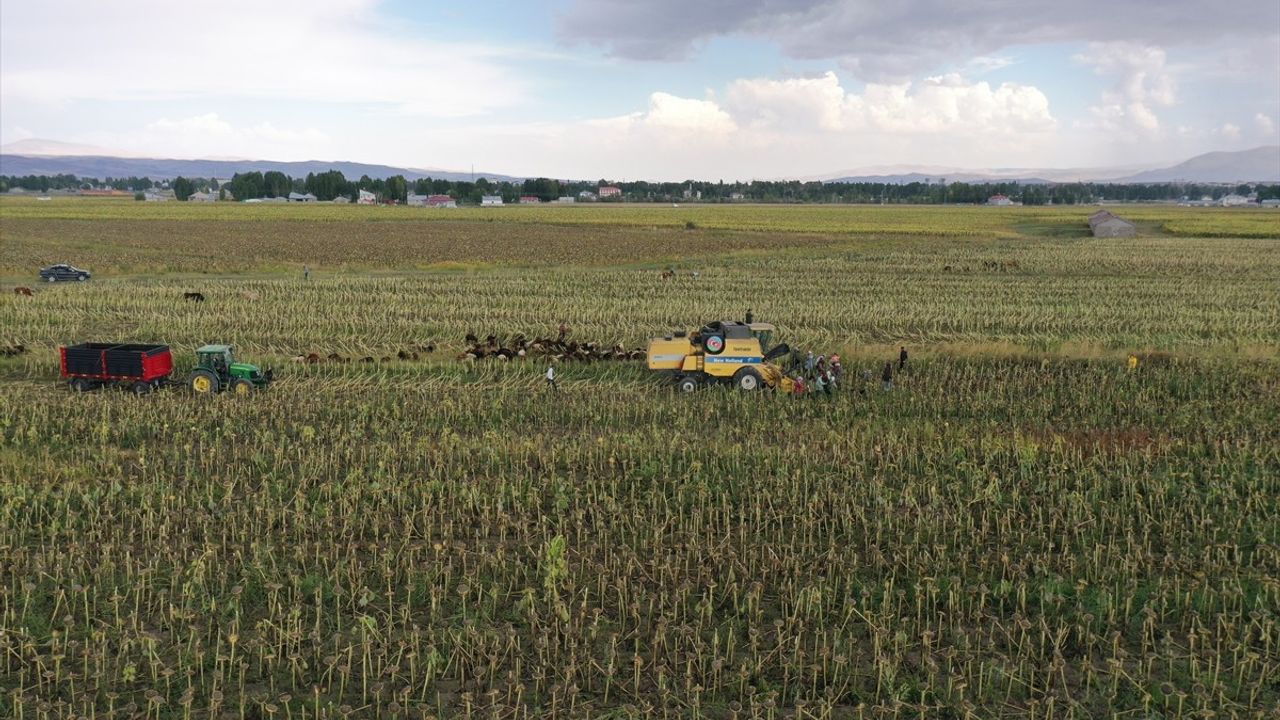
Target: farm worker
[[809, 363], [799, 388], [551, 378], [306, 273], [749, 316], [902, 358], [564, 330], [887, 376], [1133, 362], [824, 383], [836, 368]]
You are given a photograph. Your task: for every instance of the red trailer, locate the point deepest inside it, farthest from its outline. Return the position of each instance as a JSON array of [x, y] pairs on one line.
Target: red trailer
[[142, 367]]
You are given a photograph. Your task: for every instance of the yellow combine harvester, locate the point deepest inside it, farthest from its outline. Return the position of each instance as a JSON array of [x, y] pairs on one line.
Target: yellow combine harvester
[[721, 352]]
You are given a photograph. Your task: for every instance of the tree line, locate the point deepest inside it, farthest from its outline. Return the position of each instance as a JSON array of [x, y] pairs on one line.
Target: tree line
[[332, 184]]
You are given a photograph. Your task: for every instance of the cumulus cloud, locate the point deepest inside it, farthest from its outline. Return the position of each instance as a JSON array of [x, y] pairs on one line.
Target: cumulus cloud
[[891, 41], [331, 51], [1229, 131], [1265, 125], [1142, 82], [948, 103]]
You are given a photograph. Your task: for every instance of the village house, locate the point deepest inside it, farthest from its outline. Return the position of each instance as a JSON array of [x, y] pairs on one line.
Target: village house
[[366, 198], [1270, 203], [341, 200], [737, 196], [999, 200], [301, 197], [530, 200], [430, 201], [490, 200], [1233, 200], [563, 199], [203, 197], [610, 191], [587, 196]]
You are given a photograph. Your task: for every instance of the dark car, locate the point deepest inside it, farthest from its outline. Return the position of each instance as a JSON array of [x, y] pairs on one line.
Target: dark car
[[53, 273]]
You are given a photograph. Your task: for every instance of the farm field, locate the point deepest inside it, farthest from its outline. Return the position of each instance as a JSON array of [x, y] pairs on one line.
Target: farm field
[[1022, 527]]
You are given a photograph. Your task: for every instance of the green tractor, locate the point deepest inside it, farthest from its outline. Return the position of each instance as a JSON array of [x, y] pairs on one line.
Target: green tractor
[[216, 370]]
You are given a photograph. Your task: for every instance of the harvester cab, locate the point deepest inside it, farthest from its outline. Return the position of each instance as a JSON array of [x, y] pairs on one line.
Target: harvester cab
[[216, 370], [720, 352]]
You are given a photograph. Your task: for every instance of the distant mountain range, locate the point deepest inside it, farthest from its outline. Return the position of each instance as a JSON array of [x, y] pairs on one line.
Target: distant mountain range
[[1261, 164], [50, 157]]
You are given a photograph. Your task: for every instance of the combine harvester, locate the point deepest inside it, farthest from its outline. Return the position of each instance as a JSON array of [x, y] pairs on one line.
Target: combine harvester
[[144, 368], [721, 352]]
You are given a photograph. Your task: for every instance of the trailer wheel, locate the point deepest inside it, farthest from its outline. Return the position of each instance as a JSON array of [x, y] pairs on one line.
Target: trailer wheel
[[141, 387], [747, 380], [79, 385], [53, 279], [687, 384], [242, 387], [203, 382]]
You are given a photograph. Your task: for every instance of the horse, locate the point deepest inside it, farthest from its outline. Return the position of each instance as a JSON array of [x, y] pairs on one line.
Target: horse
[[23, 291]]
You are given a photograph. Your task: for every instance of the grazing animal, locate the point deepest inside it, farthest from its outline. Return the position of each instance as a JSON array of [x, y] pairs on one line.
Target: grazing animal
[[335, 357], [668, 274], [313, 358], [193, 296], [13, 350], [22, 291]]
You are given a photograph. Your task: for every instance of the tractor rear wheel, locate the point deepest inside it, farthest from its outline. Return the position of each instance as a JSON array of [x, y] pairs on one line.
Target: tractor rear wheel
[[141, 388], [241, 387], [203, 382], [747, 379], [687, 384]]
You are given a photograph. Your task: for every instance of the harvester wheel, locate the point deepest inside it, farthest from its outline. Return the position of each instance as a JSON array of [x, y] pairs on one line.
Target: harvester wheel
[[241, 387], [80, 385], [687, 384], [141, 388], [747, 379], [203, 382]]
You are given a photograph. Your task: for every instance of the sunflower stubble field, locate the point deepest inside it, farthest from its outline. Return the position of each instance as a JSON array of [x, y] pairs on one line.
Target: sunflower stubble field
[[1022, 527]]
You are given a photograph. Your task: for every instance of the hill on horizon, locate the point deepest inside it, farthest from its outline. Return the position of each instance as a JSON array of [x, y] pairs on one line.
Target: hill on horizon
[[102, 166]]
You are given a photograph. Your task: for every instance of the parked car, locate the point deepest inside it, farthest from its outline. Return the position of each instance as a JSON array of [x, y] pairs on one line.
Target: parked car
[[53, 273]]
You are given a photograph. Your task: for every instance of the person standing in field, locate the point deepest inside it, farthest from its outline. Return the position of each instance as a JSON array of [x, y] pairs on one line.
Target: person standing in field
[[902, 358], [306, 273], [551, 378], [564, 330], [887, 376], [750, 317], [809, 362]]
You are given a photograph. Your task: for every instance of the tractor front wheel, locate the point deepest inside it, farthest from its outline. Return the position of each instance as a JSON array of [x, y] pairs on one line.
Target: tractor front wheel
[[203, 382], [241, 387], [747, 380], [687, 384]]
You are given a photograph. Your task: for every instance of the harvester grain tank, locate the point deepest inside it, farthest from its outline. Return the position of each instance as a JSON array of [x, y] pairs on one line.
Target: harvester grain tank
[[722, 352]]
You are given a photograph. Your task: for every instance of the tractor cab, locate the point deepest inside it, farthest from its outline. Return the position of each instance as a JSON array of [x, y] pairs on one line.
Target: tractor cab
[[216, 369]]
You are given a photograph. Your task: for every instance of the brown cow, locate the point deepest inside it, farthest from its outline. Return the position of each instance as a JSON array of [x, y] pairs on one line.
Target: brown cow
[[22, 291]]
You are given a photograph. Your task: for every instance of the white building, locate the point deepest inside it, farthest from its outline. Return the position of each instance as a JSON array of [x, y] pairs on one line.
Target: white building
[[366, 198], [490, 200], [566, 199], [999, 200], [587, 196], [1233, 200], [202, 197]]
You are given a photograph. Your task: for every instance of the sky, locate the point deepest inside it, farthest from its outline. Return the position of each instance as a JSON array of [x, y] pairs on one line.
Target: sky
[[660, 90]]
